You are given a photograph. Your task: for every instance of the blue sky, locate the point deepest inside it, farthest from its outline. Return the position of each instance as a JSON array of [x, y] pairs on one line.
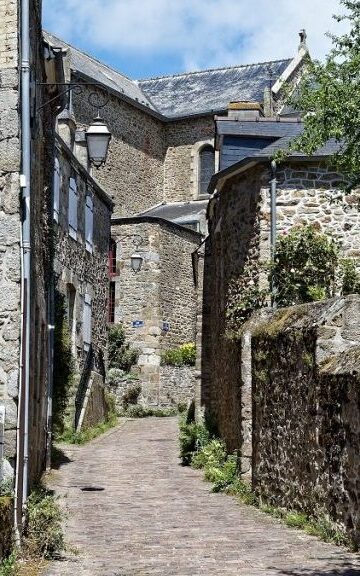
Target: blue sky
[[145, 38]]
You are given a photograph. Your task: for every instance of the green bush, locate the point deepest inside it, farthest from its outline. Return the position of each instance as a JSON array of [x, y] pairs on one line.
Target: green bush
[[350, 277], [131, 395], [304, 266], [43, 532], [193, 437], [121, 355], [184, 355], [138, 411]]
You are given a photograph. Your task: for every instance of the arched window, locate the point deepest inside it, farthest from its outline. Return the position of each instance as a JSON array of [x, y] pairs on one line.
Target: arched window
[[206, 167]]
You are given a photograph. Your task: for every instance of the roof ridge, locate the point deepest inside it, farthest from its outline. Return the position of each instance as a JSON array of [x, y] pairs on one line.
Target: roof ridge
[[91, 57], [213, 70]]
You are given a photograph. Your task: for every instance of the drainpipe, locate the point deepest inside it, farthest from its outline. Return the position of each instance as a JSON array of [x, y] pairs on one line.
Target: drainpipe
[[51, 327], [273, 184], [25, 183]]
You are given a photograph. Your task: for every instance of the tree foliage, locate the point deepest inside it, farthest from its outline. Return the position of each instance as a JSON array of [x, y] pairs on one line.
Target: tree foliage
[[329, 98]]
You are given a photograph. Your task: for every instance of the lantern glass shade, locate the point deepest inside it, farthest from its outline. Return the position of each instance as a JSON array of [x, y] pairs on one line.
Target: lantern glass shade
[[97, 139], [136, 262]]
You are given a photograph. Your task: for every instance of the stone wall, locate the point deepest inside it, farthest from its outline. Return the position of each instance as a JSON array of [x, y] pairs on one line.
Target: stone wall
[[183, 141], [305, 380], [80, 273], [86, 272], [238, 246], [163, 291], [134, 170], [177, 385], [150, 160], [42, 132], [9, 222]]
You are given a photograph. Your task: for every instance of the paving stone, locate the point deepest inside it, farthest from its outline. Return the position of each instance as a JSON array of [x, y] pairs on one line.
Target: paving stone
[[155, 517]]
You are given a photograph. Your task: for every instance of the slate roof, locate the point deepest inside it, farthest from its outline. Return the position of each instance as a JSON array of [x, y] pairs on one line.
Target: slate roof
[[211, 90], [203, 92], [261, 128], [329, 149], [178, 211], [100, 72]]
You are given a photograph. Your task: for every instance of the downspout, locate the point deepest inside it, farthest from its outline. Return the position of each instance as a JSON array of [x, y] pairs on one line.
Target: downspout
[[273, 191], [25, 183]]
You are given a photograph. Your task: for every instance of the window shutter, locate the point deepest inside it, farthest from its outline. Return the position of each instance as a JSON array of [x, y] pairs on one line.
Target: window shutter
[[87, 322], [73, 202], [89, 223], [56, 198]]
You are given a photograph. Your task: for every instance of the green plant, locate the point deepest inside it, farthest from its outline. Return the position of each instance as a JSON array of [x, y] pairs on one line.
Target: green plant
[[304, 266], [6, 487], [121, 355], [243, 297], [349, 276], [43, 531], [9, 566], [184, 355], [328, 98], [131, 395], [138, 411], [193, 437], [64, 365]]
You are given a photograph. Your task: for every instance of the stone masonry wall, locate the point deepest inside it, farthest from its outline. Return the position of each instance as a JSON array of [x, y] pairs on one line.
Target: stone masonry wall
[[180, 166], [74, 265], [239, 243], [133, 173], [305, 379], [9, 222], [155, 294], [149, 161]]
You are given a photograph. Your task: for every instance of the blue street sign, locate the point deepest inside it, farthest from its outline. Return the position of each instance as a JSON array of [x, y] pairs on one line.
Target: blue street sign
[[138, 323]]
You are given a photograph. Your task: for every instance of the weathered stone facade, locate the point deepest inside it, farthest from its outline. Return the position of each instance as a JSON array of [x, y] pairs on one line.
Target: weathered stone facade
[[238, 246], [81, 270], [162, 292], [11, 215], [305, 382]]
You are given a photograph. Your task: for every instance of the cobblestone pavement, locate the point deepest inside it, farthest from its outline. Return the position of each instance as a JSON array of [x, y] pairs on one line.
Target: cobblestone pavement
[[154, 517]]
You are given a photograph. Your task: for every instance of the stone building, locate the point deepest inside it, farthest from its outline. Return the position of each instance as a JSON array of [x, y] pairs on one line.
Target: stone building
[[81, 221], [27, 127], [160, 162]]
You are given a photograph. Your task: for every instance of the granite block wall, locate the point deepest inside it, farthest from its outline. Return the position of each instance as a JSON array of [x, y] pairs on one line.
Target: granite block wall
[[305, 380], [163, 291]]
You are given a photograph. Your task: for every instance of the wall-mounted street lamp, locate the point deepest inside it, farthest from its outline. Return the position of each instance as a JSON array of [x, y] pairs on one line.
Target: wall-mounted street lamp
[[97, 139], [136, 262], [97, 135]]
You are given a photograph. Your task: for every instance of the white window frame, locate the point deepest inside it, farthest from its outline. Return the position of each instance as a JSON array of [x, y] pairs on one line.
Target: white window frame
[[87, 322], [72, 208], [89, 222], [56, 194]]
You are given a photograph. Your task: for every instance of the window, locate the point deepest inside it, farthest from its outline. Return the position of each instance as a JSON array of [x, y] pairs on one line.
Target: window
[[112, 302], [71, 305], [206, 167], [56, 197], [73, 202], [89, 222], [112, 258], [87, 322]]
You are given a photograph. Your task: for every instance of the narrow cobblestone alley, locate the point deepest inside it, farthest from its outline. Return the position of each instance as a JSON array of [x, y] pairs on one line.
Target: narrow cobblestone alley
[[155, 517]]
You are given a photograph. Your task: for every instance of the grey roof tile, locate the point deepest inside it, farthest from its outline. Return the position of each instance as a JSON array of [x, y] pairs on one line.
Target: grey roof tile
[[100, 72], [178, 211], [260, 128], [211, 90], [182, 95]]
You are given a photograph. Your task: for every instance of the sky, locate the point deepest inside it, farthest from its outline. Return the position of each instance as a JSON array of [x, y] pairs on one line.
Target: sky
[[147, 38]]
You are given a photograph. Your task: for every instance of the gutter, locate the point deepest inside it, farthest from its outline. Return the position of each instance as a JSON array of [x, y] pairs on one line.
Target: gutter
[[22, 472]]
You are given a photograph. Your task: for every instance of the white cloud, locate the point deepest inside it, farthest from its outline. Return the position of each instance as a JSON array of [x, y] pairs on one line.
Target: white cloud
[[201, 33]]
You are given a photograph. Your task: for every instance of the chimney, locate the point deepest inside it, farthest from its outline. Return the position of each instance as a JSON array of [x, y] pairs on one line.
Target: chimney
[[244, 110]]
